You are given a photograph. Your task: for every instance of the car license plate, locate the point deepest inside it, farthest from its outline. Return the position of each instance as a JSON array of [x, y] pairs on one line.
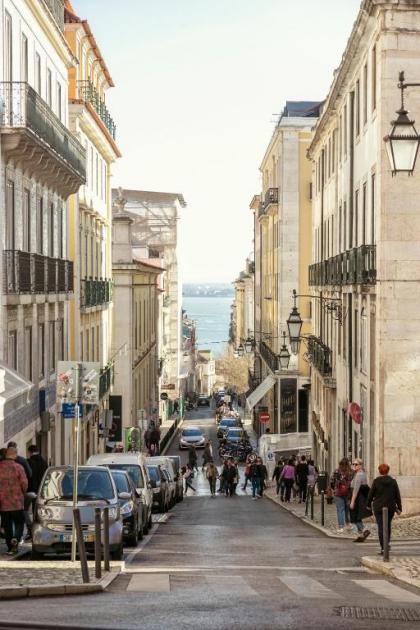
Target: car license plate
[[87, 537]]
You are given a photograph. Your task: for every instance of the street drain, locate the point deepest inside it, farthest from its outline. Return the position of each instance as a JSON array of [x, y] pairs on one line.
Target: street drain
[[388, 614]]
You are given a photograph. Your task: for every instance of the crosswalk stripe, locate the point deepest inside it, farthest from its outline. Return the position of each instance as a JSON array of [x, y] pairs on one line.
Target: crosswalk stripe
[[383, 588], [231, 584], [148, 583], [304, 586]]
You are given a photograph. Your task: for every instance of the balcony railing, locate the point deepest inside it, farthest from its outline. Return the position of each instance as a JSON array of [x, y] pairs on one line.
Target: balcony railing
[[106, 379], [271, 196], [253, 380], [57, 9], [89, 93], [25, 272], [354, 266], [269, 356], [24, 109], [320, 356], [95, 292]]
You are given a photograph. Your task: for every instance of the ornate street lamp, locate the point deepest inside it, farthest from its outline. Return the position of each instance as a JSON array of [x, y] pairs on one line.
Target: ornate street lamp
[[294, 323], [295, 346], [402, 142], [248, 345], [284, 356], [241, 351]]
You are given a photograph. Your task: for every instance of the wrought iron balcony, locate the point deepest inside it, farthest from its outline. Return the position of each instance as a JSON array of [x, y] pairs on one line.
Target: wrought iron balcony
[[269, 356], [89, 93], [57, 9], [319, 356], [253, 379], [34, 136], [354, 266], [25, 272], [106, 379], [271, 196], [95, 292]]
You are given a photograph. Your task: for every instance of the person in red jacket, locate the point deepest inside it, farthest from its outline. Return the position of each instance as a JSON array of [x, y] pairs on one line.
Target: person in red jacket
[[13, 485]]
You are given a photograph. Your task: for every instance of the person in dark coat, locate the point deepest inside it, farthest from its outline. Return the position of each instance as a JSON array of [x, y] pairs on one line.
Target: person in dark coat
[[38, 467], [192, 457], [384, 493], [302, 472], [276, 475], [22, 461]]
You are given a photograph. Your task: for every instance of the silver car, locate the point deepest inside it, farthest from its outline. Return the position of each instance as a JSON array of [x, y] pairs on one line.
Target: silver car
[[192, 436], [53, 514]]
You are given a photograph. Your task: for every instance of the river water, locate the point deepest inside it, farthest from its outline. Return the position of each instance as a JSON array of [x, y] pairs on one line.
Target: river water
[[212, 316]]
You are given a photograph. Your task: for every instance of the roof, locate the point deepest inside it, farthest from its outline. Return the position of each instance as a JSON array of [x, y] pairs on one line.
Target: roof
[[299, 109], [150, 196], [149, 262]]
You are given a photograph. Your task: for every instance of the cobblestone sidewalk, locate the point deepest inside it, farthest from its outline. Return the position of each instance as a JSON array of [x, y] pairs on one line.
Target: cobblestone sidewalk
[[403, 528], [405, 569]]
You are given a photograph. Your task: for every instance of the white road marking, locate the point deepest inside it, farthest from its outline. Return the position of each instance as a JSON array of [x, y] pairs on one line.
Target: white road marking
[[129, 559], [150, 583], [231, 585], [383, 588], [238, 567], [304, 586]]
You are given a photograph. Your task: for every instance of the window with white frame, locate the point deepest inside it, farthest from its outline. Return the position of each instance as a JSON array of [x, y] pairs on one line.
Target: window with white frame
[[41, 350], [12, 349], [28, 352], [38, 73], [363, 340], [24, 59]]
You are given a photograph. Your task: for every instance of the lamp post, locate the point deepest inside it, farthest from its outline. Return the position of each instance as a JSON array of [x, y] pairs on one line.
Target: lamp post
[[248, 345], [294, 322], [402, 142], [284, 355], [241, 350]]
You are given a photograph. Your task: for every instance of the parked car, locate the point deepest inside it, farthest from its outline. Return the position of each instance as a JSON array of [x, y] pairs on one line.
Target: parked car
[[160, 488], [203, 401], [134, 464], [53, 514], [226, 423], [192, 436], [176, 461], [235, 435], [168, 469], [131, 507]]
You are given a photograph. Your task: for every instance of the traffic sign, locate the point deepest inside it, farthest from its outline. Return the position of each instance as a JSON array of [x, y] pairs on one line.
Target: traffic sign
[[264, 416]]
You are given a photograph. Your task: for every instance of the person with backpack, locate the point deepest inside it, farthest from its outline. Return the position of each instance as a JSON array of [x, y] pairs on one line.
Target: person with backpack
[[340, 484], [384, 493]]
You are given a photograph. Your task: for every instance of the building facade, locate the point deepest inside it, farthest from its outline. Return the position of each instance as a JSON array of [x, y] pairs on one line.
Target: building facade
[[42, 163], [282, 237], [243, 305], [366, 243], [90, 215]]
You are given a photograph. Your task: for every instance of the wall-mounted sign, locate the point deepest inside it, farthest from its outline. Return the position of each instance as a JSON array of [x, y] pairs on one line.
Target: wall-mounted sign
[[168, 386]]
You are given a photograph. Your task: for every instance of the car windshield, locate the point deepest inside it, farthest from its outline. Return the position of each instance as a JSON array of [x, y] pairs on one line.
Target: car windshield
[[121, 481], [228, 422], [234, 432], [133, 470], [91, 484], [153, 473], [191, 433]]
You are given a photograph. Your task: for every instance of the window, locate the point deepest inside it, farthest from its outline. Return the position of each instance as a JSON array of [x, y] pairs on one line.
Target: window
[[81, 347], [61, 353], [41, 350], [49, 87], [340, 229], [38, 73], [356, 337], [365, 95], [374, 78], [51, 230], [334, 149], [59, 102], [60, 220], [356, 219], [93, 344], [345, 130], [357, 108], [51, 346], [87, 348], [10, 214], [97, 175], [26, 220], [98, 357], [345, 226], [372, 210], [12, 349], [8, 47], [40, 224], [363, 340], [364, 214], [24, 59], [28, 352]]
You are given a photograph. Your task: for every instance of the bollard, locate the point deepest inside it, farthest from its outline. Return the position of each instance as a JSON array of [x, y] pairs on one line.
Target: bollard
[[308, 492], [322, 508], [312, 503], [106, 539], [385, 529], [81, 545], [98, 549]]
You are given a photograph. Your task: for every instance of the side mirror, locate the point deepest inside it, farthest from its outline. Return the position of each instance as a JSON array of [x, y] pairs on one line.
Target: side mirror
[[126, 496], [31, 495]]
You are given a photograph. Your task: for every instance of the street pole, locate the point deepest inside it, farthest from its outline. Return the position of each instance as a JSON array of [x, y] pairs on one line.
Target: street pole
[[76, 434]]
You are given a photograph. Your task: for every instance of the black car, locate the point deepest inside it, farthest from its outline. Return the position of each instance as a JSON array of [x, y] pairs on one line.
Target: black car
[[225, 424], [203, 401], [160, 486], [131, 508]]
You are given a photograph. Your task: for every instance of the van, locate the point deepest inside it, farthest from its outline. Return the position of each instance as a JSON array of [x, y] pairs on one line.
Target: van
[[167, 466], [135, 465]]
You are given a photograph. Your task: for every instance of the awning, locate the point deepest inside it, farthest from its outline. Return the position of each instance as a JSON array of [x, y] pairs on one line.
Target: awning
[[260, 391]]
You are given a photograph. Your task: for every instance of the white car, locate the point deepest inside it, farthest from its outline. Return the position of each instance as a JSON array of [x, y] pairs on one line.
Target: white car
[[192, 436]]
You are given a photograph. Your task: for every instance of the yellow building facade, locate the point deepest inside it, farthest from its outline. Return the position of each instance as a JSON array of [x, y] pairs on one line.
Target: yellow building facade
[[90, 218]]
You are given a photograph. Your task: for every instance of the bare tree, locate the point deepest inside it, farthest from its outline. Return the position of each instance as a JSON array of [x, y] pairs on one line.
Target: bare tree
[[233, 372]]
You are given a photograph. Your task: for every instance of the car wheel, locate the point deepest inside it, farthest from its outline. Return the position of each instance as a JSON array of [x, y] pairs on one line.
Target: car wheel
[[117, 554], [132, 540]]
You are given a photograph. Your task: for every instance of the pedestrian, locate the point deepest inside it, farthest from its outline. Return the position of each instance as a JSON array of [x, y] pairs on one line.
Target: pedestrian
[[154, 439], [256, 476], [358, 502], [207, 455], [277, 476], [222, 477], [192, 457], [176, 407], [247, 473], [188, 476], [13, 485], [230, 476], [302, 472], [212, 475], [288, 476], [38, 466], [21, 460], [340, 483], [384, 493], [312, 476], [264, 477]]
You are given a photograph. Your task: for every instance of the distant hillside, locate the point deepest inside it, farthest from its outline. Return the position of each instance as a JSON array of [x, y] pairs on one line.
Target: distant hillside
[[216, 289]]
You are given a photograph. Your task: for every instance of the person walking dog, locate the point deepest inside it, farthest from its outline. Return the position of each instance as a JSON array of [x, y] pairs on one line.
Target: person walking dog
[[384, 493]]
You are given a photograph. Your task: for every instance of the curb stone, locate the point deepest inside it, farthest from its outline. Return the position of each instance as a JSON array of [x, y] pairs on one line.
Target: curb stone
[[387, 568]]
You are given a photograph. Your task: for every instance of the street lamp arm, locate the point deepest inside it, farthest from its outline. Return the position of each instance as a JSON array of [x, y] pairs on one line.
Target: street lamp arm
[[317, 297]]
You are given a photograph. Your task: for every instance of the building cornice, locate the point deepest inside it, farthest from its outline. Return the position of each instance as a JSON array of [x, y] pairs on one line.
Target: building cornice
[[52, 32], [107, 145]]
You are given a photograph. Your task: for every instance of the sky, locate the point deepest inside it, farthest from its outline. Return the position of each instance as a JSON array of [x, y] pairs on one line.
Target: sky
[[199, 85]]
